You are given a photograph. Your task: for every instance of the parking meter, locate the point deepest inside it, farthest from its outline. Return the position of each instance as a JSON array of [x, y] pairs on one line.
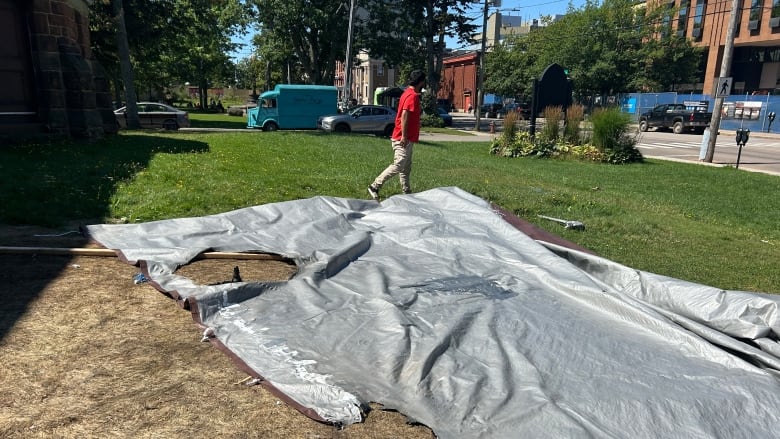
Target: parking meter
[[743, 134]]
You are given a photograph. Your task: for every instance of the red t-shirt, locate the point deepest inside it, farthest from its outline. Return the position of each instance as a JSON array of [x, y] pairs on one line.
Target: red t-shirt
[[410, 101]]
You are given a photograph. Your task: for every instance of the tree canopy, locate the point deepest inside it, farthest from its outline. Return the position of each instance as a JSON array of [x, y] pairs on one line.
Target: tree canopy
[[610, 47], [171, 41], [406, 34]]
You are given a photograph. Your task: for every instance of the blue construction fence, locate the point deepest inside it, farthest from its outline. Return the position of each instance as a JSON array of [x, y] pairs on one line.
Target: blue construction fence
[[739, 111]]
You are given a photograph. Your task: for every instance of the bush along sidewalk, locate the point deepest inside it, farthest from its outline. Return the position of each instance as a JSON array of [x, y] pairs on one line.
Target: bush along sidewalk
[[611, 141]]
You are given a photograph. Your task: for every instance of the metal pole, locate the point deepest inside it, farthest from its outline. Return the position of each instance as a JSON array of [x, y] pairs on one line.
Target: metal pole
[[481, 76], [348, 59], [725, 69]]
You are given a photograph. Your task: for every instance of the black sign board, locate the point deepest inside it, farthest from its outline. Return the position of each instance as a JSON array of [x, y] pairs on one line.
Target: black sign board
[[551, 90]]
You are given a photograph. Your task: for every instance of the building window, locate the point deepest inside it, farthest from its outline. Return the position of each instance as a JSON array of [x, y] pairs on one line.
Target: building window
[[755, 10], [776, 9], [380, 70], [698, 19], [682, 17]]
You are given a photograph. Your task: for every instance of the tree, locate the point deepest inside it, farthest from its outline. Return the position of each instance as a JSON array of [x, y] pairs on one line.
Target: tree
[[171, 40], [123, 50], [509, 68], [608, 48], [419, 30], [315, 32]]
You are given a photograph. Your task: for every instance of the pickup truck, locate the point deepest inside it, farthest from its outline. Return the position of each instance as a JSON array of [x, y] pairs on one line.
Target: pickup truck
[[674, 116]]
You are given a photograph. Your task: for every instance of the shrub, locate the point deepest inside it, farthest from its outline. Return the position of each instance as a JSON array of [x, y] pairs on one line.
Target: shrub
[[574, 117], [429, 103], [612, 137], [432, 120], [552, 121], [587, 153], [609, 125]]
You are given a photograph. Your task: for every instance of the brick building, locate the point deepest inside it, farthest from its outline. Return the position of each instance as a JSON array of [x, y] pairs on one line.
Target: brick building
[[755, 64], [459, 80], [49, 82]]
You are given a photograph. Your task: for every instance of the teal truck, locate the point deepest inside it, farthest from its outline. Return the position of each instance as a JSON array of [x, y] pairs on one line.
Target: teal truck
[[293, 107]]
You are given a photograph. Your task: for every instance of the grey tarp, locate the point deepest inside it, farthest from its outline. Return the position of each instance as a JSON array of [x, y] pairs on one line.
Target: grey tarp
[[434, 305]]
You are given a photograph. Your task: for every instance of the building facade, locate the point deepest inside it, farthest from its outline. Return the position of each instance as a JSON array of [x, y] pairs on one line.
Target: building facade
[[755, 64], [368, 74], [49, 81], [459, 80]]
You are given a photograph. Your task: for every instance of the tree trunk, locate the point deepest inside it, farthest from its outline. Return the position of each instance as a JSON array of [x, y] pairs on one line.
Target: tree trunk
[[123, 50]]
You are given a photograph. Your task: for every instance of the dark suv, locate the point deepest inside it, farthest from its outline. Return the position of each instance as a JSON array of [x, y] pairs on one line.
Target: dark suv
[[491, 110], [524, 109]]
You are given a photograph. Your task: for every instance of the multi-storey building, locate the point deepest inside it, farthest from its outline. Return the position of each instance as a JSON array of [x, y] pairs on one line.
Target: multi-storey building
[[368, 74], [755, 64]]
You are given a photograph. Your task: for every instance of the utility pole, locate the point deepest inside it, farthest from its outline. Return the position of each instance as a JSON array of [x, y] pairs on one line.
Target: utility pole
[[725, 70], [348, 59], [481, 76]]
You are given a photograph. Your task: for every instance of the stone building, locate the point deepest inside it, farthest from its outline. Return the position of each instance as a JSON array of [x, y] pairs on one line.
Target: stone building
[[49, 81]]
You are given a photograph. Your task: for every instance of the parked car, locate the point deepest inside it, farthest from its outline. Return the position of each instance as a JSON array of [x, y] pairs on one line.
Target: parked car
[[523, 110], [491, 110], [155, 115], [374, 119]]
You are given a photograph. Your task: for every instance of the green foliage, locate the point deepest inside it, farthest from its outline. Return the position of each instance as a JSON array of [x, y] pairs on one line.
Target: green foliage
[[171, 41], [612, 141], [608, 47], [313, 34], [611, 136], [428, 102], [432, 120]]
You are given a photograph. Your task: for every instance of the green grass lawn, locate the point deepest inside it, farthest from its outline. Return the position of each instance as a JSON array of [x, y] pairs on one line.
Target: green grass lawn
[[717, 226]]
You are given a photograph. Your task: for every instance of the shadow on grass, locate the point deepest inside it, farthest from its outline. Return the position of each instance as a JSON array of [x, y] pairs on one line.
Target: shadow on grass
[[50, 184], [56, 184], [238, 123]]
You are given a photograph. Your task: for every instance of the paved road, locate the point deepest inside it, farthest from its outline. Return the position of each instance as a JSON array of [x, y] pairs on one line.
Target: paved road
[[761, 154]]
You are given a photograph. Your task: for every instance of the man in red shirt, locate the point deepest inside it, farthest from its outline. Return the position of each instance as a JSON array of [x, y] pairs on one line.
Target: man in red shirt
[[405, 134]]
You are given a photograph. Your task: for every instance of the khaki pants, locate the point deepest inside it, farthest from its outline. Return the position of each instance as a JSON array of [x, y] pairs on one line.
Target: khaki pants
[[402, 165]]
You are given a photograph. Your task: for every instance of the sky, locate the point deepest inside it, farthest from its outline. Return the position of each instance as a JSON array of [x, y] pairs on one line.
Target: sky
[[527, 9]]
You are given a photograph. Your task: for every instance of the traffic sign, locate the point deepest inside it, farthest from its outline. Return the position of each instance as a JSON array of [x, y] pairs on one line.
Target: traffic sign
[[724, 87]]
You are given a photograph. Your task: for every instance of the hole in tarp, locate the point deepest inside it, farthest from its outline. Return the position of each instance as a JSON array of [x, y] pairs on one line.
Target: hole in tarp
[[215, 271]]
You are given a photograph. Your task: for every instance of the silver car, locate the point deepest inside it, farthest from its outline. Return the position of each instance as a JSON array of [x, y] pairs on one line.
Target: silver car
[[374, 119], [155, 115]]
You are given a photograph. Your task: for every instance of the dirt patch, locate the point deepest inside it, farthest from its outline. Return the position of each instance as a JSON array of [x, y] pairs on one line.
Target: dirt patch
[[87, 353]]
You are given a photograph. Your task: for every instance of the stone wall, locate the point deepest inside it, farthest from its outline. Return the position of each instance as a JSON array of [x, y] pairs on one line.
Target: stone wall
[[73, 91]]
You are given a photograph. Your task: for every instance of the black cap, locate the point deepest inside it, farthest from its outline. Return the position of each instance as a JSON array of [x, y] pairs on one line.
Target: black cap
[[416, 77]]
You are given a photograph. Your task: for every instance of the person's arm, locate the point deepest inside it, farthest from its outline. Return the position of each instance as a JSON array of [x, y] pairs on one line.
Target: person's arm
[[404, 125]]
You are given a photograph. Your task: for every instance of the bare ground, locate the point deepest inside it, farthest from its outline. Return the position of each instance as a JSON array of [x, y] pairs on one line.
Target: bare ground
[[87, 353]]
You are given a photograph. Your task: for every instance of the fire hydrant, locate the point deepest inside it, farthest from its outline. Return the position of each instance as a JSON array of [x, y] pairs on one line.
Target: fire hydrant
[[492, 126]]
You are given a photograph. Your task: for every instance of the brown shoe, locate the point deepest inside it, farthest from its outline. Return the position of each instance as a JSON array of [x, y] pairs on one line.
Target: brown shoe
[[374, 192]]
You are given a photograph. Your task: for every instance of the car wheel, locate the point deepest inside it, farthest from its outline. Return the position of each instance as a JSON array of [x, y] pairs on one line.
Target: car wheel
[[389, 130], [341, 128], [270, 126], [678, 128], [170, 125], [643, 125]]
